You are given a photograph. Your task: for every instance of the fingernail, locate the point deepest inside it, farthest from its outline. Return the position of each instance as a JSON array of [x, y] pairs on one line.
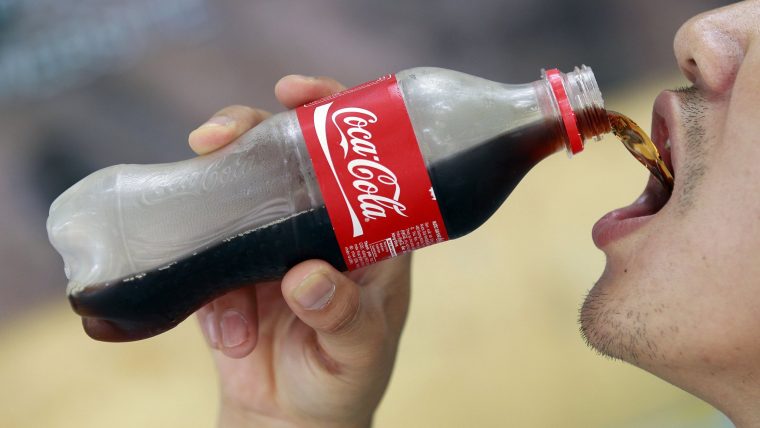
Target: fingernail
[[211, 332], [219, 121], [234, 329], [315, 292]]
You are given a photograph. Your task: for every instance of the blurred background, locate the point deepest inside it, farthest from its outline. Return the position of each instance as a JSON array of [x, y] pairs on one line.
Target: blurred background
[[492, 338]]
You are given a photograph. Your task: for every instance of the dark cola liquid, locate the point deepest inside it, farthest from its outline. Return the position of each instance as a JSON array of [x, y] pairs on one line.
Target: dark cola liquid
[[157, 300], [472, 185], [469, 186]]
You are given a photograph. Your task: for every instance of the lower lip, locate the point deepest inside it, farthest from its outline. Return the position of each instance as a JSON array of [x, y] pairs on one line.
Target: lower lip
[[622, 222], [612, 227]]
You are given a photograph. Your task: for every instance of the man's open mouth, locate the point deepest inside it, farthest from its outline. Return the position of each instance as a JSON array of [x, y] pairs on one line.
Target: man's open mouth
[[624, 221]]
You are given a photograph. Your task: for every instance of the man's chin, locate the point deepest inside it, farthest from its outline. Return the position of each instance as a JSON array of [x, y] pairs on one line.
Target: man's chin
[[593, 323], [608, 326]]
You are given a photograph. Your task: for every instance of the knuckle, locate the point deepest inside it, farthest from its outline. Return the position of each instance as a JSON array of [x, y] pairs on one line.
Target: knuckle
[[248, 111], [346, 319], [252, 115], [237, 108], [259, 115], [237, 111]]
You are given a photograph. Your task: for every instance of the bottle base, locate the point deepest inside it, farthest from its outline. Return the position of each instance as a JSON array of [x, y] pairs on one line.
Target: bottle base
[[152, 302]]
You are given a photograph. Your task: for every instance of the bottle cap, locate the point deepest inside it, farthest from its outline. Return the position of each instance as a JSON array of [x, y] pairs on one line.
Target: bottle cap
[[566, 110]]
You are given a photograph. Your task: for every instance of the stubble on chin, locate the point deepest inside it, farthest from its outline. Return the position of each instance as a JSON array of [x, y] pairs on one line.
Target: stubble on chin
[[616, 330], [599, 327]]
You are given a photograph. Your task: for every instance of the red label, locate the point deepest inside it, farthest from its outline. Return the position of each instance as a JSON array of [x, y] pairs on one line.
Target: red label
[[371, 173]]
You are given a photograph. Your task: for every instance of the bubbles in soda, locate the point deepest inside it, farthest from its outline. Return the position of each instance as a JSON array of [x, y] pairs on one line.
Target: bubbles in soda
[[641, 147]]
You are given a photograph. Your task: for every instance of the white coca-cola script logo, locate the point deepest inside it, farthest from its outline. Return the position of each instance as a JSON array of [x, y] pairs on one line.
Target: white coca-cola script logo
[[378, 186]]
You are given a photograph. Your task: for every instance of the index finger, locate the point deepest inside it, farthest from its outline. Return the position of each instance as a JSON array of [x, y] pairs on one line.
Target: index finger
[[224, 127], [295, 90]]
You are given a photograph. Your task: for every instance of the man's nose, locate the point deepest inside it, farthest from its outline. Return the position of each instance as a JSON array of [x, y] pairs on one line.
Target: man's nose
[[710, 47]]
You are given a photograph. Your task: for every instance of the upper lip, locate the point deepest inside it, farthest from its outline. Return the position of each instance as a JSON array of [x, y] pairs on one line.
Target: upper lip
[[665, 116]]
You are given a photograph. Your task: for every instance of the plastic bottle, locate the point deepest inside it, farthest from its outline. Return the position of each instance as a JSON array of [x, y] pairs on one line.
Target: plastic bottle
[[392, 165]]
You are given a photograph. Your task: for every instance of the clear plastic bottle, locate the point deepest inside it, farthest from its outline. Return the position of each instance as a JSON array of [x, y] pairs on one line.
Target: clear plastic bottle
[[429, 153]]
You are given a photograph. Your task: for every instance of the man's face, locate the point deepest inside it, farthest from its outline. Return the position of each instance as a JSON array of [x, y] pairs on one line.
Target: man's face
[[680, 295]]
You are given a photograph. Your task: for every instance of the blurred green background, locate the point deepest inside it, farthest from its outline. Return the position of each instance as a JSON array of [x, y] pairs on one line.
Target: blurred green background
[[492, 338]]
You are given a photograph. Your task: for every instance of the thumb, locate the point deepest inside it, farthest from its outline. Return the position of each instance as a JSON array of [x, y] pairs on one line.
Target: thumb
[[332, 304]]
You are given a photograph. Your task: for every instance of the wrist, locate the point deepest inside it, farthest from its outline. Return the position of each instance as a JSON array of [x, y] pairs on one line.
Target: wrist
[[237, 418], [234, 417]]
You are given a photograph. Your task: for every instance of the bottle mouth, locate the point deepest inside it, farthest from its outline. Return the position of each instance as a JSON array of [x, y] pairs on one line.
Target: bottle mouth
[[592, 116], [580, 106], [586, 88]]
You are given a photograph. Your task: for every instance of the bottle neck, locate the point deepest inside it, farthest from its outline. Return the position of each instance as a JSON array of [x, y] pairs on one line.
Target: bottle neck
[[577, 106]]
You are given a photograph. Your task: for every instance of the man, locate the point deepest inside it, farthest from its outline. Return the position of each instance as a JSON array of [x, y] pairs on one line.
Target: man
[[679, 296]]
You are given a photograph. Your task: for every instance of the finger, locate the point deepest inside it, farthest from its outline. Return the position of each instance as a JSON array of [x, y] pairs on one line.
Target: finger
[[224, 127], [331, 304], [391, 280], [209, 331], [295, 90], [230, 323]]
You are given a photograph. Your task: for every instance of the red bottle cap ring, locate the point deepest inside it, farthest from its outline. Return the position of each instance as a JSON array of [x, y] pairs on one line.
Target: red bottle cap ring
[[565, 110]]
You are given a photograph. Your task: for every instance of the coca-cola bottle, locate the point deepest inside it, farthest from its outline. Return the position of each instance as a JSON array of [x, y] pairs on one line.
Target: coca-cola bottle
[[387, 167]]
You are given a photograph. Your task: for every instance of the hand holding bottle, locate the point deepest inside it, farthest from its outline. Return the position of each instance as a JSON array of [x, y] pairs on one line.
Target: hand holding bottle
[[316, 348]]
